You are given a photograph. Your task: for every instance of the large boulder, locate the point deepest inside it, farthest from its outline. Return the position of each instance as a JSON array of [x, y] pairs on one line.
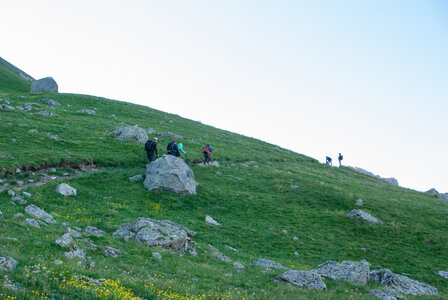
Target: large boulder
[[131, 133], [157, 233], [352, 271], [7, 263], [402, 283], [360, 214], [303, 279], [44, 85], [170, 173]]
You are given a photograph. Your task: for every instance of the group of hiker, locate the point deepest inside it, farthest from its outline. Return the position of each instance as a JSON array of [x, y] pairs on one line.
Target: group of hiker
[[329, 160], [173, 148]]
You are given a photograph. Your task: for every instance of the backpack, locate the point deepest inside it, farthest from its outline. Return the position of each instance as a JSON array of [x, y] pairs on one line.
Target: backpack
[[206, 149], [148, 146]]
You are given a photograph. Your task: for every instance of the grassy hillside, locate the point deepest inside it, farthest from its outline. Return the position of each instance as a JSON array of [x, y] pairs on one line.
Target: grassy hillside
[[11, 81], [250, 194]]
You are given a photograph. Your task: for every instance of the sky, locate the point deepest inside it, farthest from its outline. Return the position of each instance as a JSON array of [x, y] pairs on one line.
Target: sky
[[368, 79]]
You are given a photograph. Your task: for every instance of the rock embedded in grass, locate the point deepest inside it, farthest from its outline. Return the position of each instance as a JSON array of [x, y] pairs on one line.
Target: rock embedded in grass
[[386, 294], [65, 241], [303, 279], [94, 231], [19, 199], [32, 223], [444, 274], [75, 252], [351, 271], [210, 220], [360, 214], [66, 190], [216, 253], [131, 133], [112, 252], [269, 264], [87, 112], [44, 85], [157, 256], [7, 263], [359, 202], [39, 213], [136, 178], [402, 283], [46, 113]]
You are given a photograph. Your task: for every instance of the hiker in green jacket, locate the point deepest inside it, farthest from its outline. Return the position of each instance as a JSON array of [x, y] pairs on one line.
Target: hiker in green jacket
[[180, 146]]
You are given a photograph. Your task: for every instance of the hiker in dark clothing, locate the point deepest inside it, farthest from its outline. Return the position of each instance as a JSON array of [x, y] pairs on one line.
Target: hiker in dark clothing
[[340, 158], [172, 149], [151, 149], [328, 161], [207, 150]]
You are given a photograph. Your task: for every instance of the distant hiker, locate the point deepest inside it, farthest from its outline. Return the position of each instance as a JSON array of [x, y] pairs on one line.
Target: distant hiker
[[328, 161], [151, 149], [180, 147], [340, 158], [207, 150], [172, 149]]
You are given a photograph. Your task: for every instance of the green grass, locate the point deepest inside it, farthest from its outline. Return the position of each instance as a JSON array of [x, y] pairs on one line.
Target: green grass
[[253, 202], [11, 82]]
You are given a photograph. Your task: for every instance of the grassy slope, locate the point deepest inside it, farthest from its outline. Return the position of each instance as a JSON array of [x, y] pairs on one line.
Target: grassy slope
[[10, 81], [254, 203]]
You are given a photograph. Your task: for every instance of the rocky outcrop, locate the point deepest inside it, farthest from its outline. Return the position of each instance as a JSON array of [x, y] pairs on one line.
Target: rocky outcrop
[[7, 263], [131, 133], [390, 180], [303, 279], [66, 190], [158, 233], [386, 294], [402, 283], [112, 252], [433, 191], [44, 85], [352, 271], [269, 264], [39, 213], [170, 173], [360, 214], [49, 102]]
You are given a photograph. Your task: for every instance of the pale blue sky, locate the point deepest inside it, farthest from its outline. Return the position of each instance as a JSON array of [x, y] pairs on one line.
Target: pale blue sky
[[365, 78]]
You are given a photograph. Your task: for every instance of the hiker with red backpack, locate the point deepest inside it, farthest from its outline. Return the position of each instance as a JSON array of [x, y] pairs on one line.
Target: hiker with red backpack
[[207, 150]]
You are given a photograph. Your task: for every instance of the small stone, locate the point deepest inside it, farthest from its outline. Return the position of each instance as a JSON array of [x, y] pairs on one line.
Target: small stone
[[402, 283], [296, 253], [136, 178], [285, 231], [66, 190], [444, 274], [360, 214], [7, 263], [18, 171], [57, 262], [19, 199], [210, 220], [387, 294], [11, 193], [76, 252], [53, 136], [157, 255], [18, 215], [238, 265], [1, 214], [359, 202], [216, 253], [74, 233], [295, 238], [26, 194], [32, 223], [352, 271], [13, 140], [269, 264], [46, 113], [65, 241], [112, 252], [33, 131], [39, 213], [231, 248], [294, 186], [52, 170], [94, 231], [65, 224], [87, 112]]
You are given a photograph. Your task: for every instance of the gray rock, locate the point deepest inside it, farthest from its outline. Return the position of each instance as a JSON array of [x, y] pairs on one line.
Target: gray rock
[[66, 190], [112, 252], [75, 252], [44, 85], [216, 253], [171, 135], [136, 178], [33, 131], [390, 180], [443, 196], [73, 232], [57, 262], [352, 271], [294, 186], [94, 231], [19, 199], [65, 241], [231, 248], [215, 164], [18, 171], [295, 238], [210, 220], [11, 193], [269, 264], [158, 233], [48, 101], [359, 202], [26, 194], [18, 215], [432, 191], [1, 214], [303, 279], [87, 112], [7, 263], [296, 253], [53, 136], [360, 214], [444, 274], [157, 255], [5, 106], [131, 133], [150, 131], [402, 283], [32, 223], [46, 113], [238, 265], [386, 294], [170, 173], [113, 116], [39, 213]]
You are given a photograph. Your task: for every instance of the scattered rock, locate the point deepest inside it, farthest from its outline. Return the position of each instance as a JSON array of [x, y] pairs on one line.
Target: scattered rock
[[73, 232], [352, 271], [49, 102], [87, 112], [170, 173], [386, 294], [19, 199], [296, 253], [11, 193], [390, 180], [285, 231], [295, 238], [113, 116], [402, 283], [46, 113], [444, 274], [32, 223], [53, 136], [359, 202], [94, 231], [65, 241], [112, 252], [136, 178], [7, 263], [131, 133], [238, 265], [158, 233], [214, 163], [66, 190], [76, 252], [231, 248], [57, 262], [5, 106], [157, 255], [216, 253], [269, 264], [18, 215], [39, 213], [303, 279], [26, 194], [7, 156], [294, 186], [360, 214], [210, 220], [171, 135], [18, 171], [150, 131], [44, 85]]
